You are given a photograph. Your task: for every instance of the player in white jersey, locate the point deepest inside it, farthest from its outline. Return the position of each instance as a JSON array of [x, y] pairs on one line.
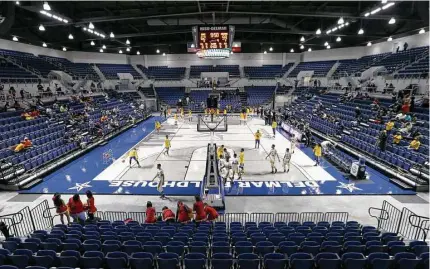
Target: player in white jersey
[[286, 160], [273, 154], [160, 176], [293, 143], [225, 167], [234, 166]]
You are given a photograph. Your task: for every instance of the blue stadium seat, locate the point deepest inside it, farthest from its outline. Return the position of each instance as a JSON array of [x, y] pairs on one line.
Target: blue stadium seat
[[326, 260], [354, 260], [168, 260], [45, 258], [222, 261], [275, 261], [21, 258], [379, 260], [310, 247], [141, 260], [177, 247], [116, 260], [220, 247], [195, 261], [70, 258], [405, 260], [131, 246], [92, 259], [288, 247], [301, 261], [153, 247]]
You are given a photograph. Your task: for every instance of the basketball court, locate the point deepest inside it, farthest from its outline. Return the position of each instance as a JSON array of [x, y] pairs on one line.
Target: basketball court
[[184, 167]]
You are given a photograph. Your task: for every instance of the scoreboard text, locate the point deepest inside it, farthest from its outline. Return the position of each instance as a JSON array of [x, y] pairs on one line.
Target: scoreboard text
[[213, 37]]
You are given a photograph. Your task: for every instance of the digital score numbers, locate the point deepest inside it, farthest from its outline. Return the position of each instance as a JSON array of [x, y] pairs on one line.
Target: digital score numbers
[[213, 37]]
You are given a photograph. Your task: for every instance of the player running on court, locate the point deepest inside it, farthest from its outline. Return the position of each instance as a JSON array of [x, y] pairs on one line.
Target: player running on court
[[257, 137], [234, 166], [132, 155], [286, 160], [167, 145], [220, 151], [273, 154], [157, 126], [241, 163], [190, 115], [160, 176]]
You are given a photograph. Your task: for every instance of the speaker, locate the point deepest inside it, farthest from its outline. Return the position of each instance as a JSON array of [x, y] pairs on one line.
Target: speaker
[[7, 16]]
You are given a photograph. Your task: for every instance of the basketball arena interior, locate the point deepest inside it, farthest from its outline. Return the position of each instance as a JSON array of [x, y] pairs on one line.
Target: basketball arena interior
[[214, 134]]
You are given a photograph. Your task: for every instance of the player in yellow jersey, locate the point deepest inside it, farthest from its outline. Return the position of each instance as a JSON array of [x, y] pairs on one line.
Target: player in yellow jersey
[[225, 112], [157, 126], [220, 151], [257, 137], [190, 115], [217, 111], [247, 111], [274, 125], [241, 163], [176, 118], [182, 113], [167, 145], [132, 155], [242, 118]]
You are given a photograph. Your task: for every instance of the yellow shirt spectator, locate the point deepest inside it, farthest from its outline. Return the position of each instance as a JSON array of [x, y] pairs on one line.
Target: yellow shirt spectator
[[415, 144], [397, 138], [317, 150], [132, 153], [274, 124], [257, 136], [242, 157], [19, 147], [389, 126]]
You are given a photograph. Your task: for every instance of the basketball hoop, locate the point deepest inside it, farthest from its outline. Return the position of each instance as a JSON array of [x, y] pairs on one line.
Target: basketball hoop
[[214, 53]]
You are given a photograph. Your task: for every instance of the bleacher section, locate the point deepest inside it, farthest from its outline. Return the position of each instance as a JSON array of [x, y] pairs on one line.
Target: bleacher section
[[320, 68], [419, 69], [31, 60], [170, 95], [76, 70], [397, 60], [353, 67], [8, 70], [289, 242], [233, 70], [163, 72], [110, 71], [266, 71], [259, 95]]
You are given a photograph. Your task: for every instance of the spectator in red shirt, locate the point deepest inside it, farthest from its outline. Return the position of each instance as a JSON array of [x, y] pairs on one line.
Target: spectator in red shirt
[[76, 208], [150, 213], [198, 207], [406, 108], [90, 206], [61, 208], [168, 215], [211, 212], [183, 213]]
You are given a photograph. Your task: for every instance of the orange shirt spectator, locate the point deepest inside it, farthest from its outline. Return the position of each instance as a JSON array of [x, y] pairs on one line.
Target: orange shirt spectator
[[27, 143], [19, 147], [75, 205], [168, 214], [199, 208], [103, 118], [183, 212], [212, 214], [150, 213]]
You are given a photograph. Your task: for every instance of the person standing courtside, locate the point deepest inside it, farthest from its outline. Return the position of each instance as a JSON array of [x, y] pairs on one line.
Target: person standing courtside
[[257, 137]]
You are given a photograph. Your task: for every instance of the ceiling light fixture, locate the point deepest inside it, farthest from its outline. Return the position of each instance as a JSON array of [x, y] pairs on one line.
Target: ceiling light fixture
[[111, 35], [367, 14], [334, 29], [265, 52], [384, 1], [104, 47], [164, 54], [387, 6], [328, 32], [128, 49], [91, 25], [422, 31], [302, 39], [369, 44], [101, 50], [375, 11], [15, 38], [44, 45], [392, 21], [318, 32], [338, 39], [41, 28], [158, 51], [361, 31], [302, 47], [92, 43], [64, 49], [326, 43], [120, 51], [328, 47], [70, 36], [340, 21], [347, 23], [270, 49], [291, 50], [127, 42], [138, 52], [46, 6], [17, 2], [390, 39], [309, 49]]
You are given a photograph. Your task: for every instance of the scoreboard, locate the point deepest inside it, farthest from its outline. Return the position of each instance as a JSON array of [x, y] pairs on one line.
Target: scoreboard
[[213, 37]]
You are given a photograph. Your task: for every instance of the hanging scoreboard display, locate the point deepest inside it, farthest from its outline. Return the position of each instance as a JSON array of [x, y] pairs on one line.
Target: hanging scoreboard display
[[213, 37]]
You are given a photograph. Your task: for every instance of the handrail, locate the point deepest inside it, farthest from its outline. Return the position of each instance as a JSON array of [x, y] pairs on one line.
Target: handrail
[[381, 214], [421, 226]]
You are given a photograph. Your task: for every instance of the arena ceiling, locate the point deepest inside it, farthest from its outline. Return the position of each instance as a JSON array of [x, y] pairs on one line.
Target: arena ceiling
[[166, 25]]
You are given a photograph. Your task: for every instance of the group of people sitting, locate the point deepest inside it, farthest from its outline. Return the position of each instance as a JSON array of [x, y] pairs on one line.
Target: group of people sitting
[[30, 114], [184, 213]]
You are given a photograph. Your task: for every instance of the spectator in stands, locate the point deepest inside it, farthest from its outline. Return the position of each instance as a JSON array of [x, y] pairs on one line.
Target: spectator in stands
[[401, 116], [398, 48], [90, 205], [389, 126], [76, 208], [19, 147], [397, 138], [27, 142], [357, 113], [408, 117], [61, 208], [382, 140], [12, 92], [415, 144], [412, 104], [405, 46], [406, 128], [406, 107], [168, 215], [198, 207], [183, 213], [211, 213], [22, 93], [63, 108], [317, 153], [150, 213]]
